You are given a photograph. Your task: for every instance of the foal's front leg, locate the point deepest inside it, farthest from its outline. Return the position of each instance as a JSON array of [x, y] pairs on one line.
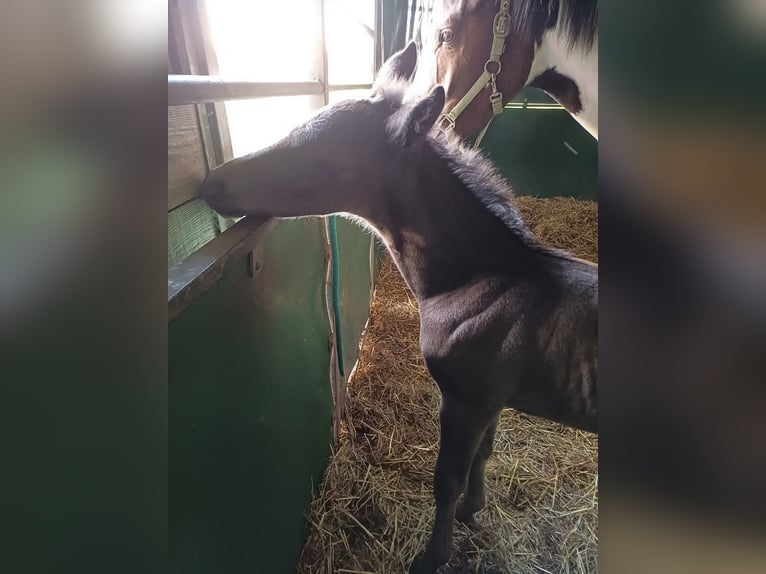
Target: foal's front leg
[[474, 497], [462, 428]]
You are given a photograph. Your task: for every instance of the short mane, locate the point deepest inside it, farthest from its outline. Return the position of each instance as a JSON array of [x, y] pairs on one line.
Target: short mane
[[481, 178], [578, 18], [475, 171]]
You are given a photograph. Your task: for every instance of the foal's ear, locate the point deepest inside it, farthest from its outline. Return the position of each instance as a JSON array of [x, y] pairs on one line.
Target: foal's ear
[[398, 67], [415, 120]]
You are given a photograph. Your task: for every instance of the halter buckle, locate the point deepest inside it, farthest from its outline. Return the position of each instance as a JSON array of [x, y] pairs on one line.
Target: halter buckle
[[496, 98], [502, 24], [445, 119]]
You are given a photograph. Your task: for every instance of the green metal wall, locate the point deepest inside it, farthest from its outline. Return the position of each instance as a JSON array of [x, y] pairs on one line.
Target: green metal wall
[[355, 285], [251, 403], [531, 149], [250, 389]]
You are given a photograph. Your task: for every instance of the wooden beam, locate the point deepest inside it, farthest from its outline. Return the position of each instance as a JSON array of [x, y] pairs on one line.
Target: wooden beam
[[344, 87], [205, 89], [194, 275]]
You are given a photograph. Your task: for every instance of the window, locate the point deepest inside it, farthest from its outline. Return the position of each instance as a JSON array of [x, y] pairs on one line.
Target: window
[[327, 41], [283, 42]]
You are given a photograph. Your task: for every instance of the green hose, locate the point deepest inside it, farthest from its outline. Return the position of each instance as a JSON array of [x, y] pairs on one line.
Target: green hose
[[336, 293]]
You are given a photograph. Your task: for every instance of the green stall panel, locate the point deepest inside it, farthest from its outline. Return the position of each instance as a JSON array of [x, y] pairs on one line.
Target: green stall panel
[[251, 400], [543, 152], [355, 286], [250, 390], [250, 409]]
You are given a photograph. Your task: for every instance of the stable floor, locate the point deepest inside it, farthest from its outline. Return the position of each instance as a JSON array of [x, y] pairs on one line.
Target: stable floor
[[374, 508]]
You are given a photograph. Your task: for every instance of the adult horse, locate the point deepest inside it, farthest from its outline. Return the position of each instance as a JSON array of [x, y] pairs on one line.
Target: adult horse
[[504, 320], [485, 51]]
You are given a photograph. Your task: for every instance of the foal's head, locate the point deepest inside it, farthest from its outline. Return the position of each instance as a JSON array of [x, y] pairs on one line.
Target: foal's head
[[337, 160]]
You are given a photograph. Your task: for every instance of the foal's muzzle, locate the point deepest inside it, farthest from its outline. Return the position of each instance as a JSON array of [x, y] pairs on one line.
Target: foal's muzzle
[[211, 187], [214, 191]]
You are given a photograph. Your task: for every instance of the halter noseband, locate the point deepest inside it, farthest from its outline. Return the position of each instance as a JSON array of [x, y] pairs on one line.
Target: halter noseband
[[500, 29]]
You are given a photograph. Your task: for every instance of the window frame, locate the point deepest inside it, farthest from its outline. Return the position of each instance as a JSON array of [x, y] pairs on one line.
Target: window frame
[[193, 80]]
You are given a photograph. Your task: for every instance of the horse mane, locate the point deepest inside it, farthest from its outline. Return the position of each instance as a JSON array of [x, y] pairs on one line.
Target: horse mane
[[483, 181], [474, 170], [579, 18]]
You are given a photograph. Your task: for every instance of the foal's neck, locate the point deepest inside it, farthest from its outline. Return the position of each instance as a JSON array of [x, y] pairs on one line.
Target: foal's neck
[[438, 231], [568, 74]]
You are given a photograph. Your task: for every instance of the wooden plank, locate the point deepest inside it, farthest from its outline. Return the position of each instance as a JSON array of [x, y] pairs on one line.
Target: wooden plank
[[177, 54], [204, 114], [346, 87], [191, 277], [206, 89], [187, 163]]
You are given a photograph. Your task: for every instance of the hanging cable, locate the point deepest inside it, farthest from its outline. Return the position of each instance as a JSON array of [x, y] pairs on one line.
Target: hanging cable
[[335, 262]]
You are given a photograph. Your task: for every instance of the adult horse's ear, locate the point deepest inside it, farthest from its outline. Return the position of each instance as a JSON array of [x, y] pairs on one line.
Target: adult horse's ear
[[398, 67], [415, 120]]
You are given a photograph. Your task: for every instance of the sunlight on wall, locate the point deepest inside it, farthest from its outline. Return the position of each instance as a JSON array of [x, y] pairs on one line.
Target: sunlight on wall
[[277, 42]]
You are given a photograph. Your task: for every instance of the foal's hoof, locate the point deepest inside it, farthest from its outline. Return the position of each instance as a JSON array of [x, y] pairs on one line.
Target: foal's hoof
[[422, 564], [465, 515]]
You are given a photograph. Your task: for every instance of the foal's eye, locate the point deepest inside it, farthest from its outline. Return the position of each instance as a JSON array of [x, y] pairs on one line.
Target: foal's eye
[[446, 36]]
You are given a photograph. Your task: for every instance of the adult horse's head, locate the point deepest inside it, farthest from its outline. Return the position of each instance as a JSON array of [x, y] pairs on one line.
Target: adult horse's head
[[335, 162], [548, 44]]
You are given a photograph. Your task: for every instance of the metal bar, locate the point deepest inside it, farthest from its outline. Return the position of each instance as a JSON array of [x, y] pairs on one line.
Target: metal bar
[[206, 89], [321, 65], [336, 87], [194, 275], [215, 112], [378, 43], [526, 106]]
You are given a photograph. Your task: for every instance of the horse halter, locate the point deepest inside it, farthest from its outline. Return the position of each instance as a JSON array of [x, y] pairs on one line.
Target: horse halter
[[492, 67]]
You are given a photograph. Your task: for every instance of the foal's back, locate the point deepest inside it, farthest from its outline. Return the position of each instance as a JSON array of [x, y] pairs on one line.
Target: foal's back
[[559, 381], [525, 338]]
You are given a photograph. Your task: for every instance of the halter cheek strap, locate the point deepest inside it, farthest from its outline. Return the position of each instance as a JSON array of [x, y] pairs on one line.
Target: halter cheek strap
[[500, 29]]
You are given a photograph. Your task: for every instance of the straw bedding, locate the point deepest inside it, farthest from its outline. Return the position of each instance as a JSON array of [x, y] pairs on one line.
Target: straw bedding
[[374, 507]]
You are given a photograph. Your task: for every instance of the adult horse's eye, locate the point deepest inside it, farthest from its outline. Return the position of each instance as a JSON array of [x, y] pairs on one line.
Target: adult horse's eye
[[446, 36]]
